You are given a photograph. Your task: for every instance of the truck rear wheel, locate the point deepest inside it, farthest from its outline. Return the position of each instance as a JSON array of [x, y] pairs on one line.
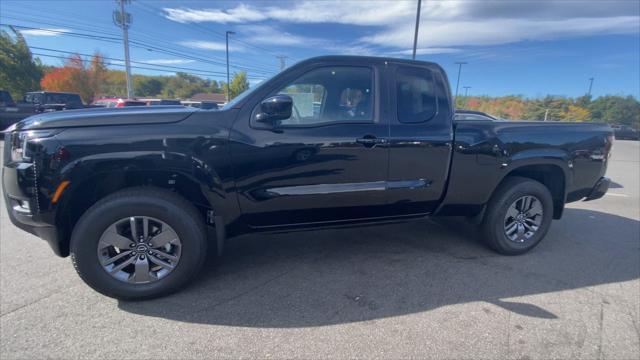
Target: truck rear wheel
[[518, 216], [139, 243]]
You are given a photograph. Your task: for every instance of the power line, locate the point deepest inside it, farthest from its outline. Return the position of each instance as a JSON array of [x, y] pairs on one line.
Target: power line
[[213, 31], [108, 64], [156, 39], [134, 62], [190, 70], [138, 44], [155, 11]]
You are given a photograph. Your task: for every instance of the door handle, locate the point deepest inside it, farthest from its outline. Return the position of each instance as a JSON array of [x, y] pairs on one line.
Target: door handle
[[370, 141]]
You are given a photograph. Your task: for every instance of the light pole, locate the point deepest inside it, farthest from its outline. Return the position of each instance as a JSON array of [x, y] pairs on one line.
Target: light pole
[[227, 42], [415, 35], [466, 90], [590, 87], [122, 19], [459, 63], [282, 59]]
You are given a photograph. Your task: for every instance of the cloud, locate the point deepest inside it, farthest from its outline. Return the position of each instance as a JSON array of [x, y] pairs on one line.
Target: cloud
[[241, 13], [209, 45], [269, 35], [168, 61], [488, 32], [426, 51], [345, 12], [444, 24], [44, 32]]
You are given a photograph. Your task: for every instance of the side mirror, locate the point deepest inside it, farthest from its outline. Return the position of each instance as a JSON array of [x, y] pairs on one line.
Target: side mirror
[[275, 108]]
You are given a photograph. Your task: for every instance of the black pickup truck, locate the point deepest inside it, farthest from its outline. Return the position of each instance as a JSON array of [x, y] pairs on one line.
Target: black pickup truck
[[36, 102], [137, 196]]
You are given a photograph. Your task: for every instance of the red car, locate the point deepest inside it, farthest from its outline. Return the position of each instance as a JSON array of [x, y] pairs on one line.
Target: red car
[[118, 102]]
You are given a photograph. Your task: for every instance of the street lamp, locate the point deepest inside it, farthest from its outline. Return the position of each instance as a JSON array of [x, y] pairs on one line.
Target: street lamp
[[459, 63], [590, 87], [415, 35], [227, 42]]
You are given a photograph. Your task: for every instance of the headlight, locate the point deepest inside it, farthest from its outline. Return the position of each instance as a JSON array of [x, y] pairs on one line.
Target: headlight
[[22, 142]]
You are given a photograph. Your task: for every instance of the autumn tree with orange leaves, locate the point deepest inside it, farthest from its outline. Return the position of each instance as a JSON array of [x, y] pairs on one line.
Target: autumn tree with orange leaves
[[76, 76]]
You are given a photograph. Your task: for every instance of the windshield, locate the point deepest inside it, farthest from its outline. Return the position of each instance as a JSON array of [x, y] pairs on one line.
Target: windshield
[[243, 95]]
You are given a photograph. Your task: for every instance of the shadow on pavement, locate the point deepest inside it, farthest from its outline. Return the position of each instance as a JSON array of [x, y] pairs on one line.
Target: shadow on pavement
[[615, 185], [327, 277]]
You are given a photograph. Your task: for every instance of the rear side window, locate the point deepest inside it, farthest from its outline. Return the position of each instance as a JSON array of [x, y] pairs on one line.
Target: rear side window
[[416, 96]]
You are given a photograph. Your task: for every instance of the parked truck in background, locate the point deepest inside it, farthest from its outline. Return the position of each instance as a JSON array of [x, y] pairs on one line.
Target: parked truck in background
[[137, 195], [36, 102]]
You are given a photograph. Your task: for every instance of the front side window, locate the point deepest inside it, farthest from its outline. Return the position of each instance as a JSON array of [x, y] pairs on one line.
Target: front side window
[[416, 95], [331, 94]]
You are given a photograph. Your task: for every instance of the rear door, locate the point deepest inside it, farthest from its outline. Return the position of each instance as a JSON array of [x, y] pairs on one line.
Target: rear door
[[421, 137], [327, 162]]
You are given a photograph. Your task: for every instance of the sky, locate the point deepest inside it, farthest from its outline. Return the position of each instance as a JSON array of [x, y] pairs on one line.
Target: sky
[[529, 48]]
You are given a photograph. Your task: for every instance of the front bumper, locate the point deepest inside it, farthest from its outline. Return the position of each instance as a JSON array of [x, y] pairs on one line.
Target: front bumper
[[599, 189], [22, 205]]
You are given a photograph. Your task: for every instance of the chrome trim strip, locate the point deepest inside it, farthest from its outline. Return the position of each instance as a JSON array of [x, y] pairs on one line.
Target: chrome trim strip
[[320, 189]]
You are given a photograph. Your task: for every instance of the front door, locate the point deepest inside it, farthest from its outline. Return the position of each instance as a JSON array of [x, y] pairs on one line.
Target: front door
[[327, 162]]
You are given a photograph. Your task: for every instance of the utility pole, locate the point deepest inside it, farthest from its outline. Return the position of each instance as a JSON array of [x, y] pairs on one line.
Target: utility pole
[[590, 87], [282, 61], [415, 35], [546, 114], [466, 90], [459, 63], [227, 41], [122, 19]]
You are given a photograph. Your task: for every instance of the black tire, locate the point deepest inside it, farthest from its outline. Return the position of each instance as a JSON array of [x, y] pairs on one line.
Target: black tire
[[160, 204], [493, 225]]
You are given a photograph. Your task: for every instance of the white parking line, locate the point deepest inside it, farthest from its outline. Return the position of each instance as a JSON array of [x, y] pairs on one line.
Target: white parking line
[[614, 194]]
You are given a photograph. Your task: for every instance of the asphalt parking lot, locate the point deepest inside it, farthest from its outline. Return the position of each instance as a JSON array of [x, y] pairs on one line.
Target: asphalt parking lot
[[411, 290]]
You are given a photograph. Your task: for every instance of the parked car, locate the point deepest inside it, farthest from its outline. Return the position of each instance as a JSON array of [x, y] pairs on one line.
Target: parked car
[[150, 102], [5, 99], [137, 196], [205, 105], [625, 132], [36, 102], [8, 110], [462, 115], [118, 102]]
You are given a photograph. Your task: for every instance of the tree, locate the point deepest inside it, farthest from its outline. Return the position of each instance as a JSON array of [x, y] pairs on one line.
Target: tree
[[576, 113], [238, 85], [616, 110], [147, 86], [76, 77], [19, 72]]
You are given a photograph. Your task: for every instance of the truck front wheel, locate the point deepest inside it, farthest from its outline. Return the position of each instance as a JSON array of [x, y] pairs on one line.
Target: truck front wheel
[[518, 216], [139, 243]]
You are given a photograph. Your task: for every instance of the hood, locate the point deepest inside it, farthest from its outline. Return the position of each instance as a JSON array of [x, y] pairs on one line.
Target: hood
[[104, 116]]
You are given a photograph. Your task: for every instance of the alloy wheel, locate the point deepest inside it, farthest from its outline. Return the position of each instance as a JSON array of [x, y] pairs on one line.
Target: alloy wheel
[[523, 218], [139, 249]]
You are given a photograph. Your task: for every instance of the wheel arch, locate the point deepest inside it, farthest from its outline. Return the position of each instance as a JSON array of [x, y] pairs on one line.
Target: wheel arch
[[553, 176], [81, 195]]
